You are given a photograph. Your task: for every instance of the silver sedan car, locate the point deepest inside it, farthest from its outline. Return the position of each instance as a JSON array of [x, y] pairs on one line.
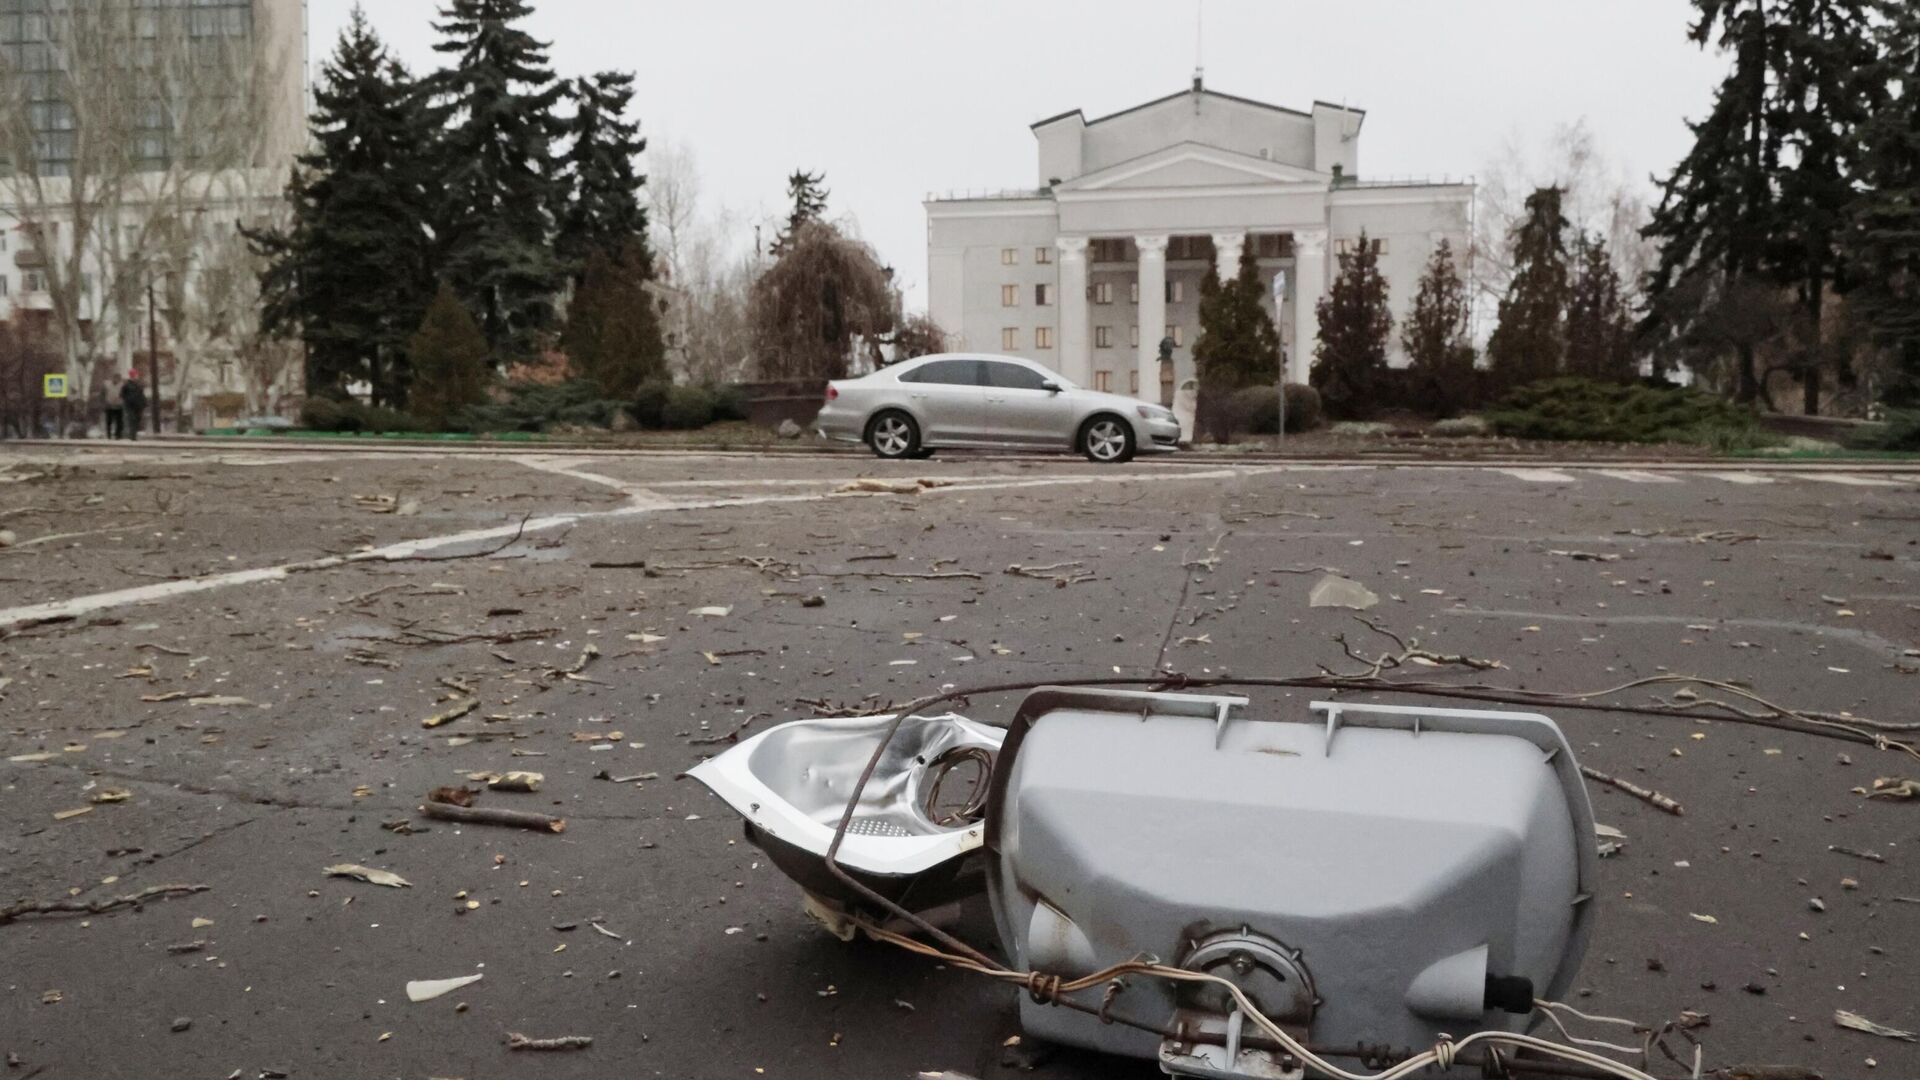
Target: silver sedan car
[[1001, 402]]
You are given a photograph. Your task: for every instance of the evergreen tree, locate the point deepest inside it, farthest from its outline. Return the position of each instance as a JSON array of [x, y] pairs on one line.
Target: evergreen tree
[[613, 331], [1238, 345], [1599, 326], [500, 183], [809, 198], [1351, 359], [449, 357], [349, 274], [1761, 194], [603, 211], [1529, 342], [1885, 240], [1435, 337]]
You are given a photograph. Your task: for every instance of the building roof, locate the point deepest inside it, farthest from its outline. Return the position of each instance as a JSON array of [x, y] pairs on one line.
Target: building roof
[[1183, 93]]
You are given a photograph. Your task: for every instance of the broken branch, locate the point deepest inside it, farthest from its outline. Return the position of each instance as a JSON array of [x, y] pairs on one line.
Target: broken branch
[[487, 815], [1646, 795], [96, 907]]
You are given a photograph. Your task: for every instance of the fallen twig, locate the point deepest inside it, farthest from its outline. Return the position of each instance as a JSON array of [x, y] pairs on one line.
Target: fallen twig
[[487, 815], [889, 574], [1870, 856], [1646, 795], [517, 1041], [509, 542], [462, 707], [95, 907], [731, 736]]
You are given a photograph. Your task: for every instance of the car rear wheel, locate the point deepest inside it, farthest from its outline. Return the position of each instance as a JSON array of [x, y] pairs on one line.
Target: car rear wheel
[[893, 434], [1107, 440]]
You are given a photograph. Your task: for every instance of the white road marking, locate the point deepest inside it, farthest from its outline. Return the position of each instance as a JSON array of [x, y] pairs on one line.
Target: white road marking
[[1540, 476], [147, 594], [1741, 477], [1851, 480], [1635, 476], [637, 495]]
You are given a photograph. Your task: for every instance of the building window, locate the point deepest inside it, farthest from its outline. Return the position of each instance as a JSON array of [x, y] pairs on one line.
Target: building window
[[3, 285], [1107, 251], [1103, 337], [1133, 381], [1133, 336], [1043, 337], [1042, 295], [1273, 245], [1043, 256], [1103, 292], [1009, 339], [1100, 380], [33, 281], [1179, 336], [1009, 296], [1190, 247], [1133, 292], [1176, 291], [1009, 256]]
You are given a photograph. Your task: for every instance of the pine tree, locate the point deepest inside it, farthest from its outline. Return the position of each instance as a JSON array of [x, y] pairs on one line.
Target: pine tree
[[603, 211], [613, 331], [1885, 240], [1355, 325], [1238, 345], [1761, 194], [809, 198], [350, 275], [1599, 326], [500, 182], [449, 357], [1529, 342], [1435, 337]]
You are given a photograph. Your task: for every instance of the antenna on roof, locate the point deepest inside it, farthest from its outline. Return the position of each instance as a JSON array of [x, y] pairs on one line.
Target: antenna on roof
[[1199, 19]]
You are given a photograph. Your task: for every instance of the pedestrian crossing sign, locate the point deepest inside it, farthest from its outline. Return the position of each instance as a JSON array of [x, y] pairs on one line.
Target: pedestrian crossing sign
[[54, 386]]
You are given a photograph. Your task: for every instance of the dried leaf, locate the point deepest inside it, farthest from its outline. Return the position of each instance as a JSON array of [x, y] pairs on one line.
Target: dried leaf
[[428, 989], [111, 795], [63, 815], [517, 781], [456, 796], [1860, 1023], [1702, 918], [369, 875]]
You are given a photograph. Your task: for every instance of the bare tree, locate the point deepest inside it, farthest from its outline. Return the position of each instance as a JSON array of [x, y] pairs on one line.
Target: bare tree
[[707, 267], [138, 138]]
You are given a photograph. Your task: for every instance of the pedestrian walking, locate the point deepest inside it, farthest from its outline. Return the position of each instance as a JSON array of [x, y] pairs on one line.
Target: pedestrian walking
[[115, 422], [133, 398]]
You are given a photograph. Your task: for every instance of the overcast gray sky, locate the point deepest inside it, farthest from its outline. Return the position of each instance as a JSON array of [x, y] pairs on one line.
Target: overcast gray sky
[[896, 98]]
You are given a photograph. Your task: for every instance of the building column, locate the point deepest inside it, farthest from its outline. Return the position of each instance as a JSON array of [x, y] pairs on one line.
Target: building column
[[1076, 359], [1152, 313], [1309, 282], [1226, 253]]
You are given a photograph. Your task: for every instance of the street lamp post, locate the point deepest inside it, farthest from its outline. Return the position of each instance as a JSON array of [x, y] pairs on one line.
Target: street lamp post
[[153, 354]]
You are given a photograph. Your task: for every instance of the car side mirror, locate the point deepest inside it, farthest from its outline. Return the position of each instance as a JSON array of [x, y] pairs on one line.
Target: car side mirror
[[1050, 386]]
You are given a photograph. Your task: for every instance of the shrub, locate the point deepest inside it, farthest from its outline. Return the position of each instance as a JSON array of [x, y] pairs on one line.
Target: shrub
[[1261, 407], [687, 407], [533, 406], [329, 414], [648, 401], [1588, 411], [1900, 432], [730, 402]]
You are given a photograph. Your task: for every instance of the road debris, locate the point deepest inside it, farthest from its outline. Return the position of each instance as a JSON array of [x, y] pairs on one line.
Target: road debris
[[1857, 1022], [1646, 795], [457, 796], [509, 781], [712, 611], [96, 907], [487, 815], [1870, 856], [605, 774], [1892, 787], [461, 707], [517, 1041], [428, 989], [1335, 591], [369, 874], [1584, 556]]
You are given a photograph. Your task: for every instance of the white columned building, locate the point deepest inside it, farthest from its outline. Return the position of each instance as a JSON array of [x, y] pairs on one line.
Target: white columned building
[[1092, 268]]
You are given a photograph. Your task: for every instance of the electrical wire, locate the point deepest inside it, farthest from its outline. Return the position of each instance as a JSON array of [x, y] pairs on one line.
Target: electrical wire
[[1442, 1053]]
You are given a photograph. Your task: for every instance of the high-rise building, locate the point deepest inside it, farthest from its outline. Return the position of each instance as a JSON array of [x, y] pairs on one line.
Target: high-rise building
[[136, 138]]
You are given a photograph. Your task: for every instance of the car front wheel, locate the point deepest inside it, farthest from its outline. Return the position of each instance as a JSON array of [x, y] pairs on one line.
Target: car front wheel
[[1107, 440], [893, 434]]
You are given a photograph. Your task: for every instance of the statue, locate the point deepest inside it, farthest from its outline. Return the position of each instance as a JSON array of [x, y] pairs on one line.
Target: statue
[[1166, 370]]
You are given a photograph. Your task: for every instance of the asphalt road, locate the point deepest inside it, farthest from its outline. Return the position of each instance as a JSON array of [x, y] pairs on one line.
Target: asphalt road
[[308, 601]]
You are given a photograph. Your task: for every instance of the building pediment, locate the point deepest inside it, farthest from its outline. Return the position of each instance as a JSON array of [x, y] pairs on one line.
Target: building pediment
[[1190, 165]]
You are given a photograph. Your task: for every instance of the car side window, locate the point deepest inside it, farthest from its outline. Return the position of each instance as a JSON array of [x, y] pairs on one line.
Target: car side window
[[946, 373], [1013, 377]]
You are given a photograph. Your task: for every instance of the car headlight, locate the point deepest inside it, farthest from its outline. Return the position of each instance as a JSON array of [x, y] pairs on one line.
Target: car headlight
[[1155, 412]]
